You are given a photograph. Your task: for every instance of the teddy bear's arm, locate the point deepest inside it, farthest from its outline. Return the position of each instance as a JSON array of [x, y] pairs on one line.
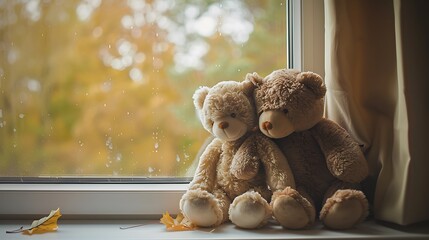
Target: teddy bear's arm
[[204, 177], [344, 157], [245, 164], [278, 172]]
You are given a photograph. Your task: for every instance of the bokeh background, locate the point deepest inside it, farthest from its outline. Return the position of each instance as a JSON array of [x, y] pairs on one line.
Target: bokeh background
[[104, 88]]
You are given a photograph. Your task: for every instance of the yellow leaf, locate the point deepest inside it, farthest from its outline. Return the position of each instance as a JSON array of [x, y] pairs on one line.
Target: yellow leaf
[[46, 224], [181, 223]]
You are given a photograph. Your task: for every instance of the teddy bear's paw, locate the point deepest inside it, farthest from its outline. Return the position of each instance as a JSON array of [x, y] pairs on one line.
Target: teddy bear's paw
[[201, 208], [292, 210], [249, 210], [344, 209]]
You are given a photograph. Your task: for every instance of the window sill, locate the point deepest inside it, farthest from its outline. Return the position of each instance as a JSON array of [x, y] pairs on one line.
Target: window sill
[[152, 229], [88, 201]]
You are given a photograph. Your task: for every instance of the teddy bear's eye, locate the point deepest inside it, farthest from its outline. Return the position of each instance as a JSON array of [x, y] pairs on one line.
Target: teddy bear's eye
[[233, 115], [285, 110]]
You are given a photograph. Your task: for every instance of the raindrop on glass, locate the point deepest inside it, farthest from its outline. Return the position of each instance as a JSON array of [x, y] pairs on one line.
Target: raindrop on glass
[[118, 157], [109, 143]]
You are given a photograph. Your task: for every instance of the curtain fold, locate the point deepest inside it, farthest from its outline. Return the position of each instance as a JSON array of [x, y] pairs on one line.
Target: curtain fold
[[375, 57]]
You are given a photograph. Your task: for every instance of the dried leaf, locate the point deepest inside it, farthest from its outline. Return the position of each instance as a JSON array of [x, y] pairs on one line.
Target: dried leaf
[[46, 224], [181, 223]]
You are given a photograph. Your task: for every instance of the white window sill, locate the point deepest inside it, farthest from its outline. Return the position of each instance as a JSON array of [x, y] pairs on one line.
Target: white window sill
[[152, 229], [86, 201]]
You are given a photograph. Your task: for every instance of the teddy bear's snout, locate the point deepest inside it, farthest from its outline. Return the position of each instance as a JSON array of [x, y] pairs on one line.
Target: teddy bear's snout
[[223, 125], [267, 125]]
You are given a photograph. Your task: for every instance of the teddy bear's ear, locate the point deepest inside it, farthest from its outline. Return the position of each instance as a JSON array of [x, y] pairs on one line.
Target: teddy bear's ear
[[248, 87], [200, 96], [254, 78], [314, 82]]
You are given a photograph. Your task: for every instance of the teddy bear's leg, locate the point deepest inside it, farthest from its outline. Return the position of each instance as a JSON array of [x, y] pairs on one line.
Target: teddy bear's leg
[[344, 207], [264, 191], [249, 210], [205, 209], [224, 202], [293, 209]]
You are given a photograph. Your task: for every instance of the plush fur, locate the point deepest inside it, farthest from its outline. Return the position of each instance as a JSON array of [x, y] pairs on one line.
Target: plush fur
[[240, 168], [327, 163]]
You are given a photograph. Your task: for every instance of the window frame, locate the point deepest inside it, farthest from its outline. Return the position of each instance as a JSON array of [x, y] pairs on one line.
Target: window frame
[[123, 199], [306, 45]]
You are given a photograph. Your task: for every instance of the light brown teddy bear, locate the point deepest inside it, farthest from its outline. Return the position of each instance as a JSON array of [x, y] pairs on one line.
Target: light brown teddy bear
[[221, 189], [327, 163]]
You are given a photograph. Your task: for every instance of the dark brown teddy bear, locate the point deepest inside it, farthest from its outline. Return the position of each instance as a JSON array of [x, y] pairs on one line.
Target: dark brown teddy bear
[[327, 163]]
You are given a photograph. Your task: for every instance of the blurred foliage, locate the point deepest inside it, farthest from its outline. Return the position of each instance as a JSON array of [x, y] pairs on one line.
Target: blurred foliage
[[104, 88]]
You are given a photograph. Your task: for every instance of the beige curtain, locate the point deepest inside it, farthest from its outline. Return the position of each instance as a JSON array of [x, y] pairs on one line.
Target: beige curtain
[[378, 89]]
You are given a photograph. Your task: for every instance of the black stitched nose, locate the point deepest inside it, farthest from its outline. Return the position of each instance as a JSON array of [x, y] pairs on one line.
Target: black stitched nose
[[267, 125], [223, 125]]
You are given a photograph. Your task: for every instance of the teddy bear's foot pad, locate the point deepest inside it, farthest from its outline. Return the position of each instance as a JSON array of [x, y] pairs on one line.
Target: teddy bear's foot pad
[[344, 210], [290, 213], [249, 211], [203, 211]]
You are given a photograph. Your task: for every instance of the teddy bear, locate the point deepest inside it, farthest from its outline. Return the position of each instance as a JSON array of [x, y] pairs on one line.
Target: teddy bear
[[327, 164], [240, 168]]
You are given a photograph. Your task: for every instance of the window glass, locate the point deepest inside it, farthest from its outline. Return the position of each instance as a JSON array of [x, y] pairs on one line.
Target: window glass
[[104, 88]]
